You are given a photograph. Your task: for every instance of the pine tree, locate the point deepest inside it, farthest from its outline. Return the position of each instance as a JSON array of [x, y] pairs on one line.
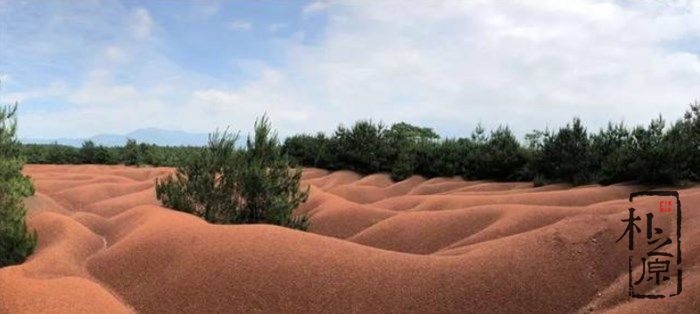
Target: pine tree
[[227, 185], [16, 242], [131, 153]]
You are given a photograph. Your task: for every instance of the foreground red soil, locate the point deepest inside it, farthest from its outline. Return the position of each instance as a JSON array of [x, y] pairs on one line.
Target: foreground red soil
[[439, 245]]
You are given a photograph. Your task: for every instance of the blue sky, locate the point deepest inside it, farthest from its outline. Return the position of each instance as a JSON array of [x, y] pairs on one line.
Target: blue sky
[[79, 68]]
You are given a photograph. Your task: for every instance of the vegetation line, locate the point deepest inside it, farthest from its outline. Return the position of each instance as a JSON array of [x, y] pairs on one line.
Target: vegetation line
[[655, 154]]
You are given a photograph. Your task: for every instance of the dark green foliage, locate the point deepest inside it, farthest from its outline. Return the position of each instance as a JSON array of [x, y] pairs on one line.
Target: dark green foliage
[[683, 144], [501, 157], [311, 151], [404, 164], [88, 152], [16, 242], [135, 154], [565, 155], [364, 148], [404, 141], [613, 150], [649, 154], [652, 154], [412, 133], [226, 185], [650, 162], [51, 154], [93, 154], [446, 158], [59, 154]]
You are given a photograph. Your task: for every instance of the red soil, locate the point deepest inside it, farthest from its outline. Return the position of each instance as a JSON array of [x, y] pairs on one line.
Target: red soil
[[439, 245]]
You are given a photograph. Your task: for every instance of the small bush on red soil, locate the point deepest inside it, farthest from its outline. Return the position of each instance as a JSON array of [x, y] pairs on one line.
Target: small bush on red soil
[[227, 185]]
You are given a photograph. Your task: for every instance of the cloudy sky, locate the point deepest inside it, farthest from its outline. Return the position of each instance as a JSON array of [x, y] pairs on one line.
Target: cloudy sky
[[79, 68]]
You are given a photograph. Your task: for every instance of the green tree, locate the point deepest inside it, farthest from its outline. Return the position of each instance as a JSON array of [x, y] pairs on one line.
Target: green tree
[[682, 142], [612, 149], [363, 148], [651, 163], [404, 140], [88, 152], [411, 132], [226, 185], [16, 242], [308, 150], [446, 158], [132, 153], [501, 157], [565, 155]]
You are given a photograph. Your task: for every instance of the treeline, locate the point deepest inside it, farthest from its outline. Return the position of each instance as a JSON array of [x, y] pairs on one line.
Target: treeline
[[132, 154], [655, 154]]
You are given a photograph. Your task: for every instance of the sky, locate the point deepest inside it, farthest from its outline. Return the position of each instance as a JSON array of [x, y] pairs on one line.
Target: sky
[[80, 68]]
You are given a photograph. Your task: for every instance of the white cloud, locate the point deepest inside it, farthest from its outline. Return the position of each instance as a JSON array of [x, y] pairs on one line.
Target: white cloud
[[141, 23], [54, 89], [240, 26], [4, 80], [449, 65], [315, 8], [528, 64], [116, 54], [208, 8], [275, 27]]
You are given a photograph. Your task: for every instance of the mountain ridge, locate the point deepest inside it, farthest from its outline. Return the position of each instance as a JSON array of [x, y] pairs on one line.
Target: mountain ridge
[[156, 136]]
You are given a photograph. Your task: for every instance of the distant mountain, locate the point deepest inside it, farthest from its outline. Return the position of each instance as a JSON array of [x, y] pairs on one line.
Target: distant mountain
[[148, 135]]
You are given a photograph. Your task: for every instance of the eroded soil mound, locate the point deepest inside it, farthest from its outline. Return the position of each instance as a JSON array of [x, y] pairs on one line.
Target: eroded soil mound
[[439, 245]]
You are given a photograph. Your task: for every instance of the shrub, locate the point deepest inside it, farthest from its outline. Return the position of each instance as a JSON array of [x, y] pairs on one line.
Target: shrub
[[132, 153], [650, 163], [61, 154], [649, 154], [16, 242], [93, 154], [565, 155], [445, 158], [500, 158], [403, 140], [404, 165], [226, 185], [307, 150], [613, 150], [363, 148], [403, 131], [683, 144]]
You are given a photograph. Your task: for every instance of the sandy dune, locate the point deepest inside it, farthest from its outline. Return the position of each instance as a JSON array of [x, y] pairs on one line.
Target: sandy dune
[[439, 245]]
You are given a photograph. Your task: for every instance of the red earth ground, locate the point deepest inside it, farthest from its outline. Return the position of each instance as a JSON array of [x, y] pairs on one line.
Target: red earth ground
[[438, 245]]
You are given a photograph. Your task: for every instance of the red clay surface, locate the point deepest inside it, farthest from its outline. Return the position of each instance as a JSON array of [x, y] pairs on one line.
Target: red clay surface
[[439, 245]]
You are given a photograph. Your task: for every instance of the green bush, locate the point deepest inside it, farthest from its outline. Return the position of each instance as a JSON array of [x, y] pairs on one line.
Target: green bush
[[565, 155], [651, 151], [404, 140], [682, 141], [501, 157], [650, 154], [226, 185], [132, 153], [613, 150], [311, 151], [90, 153], [446, 158], [364, 148], [16, 242], [94, 154]]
